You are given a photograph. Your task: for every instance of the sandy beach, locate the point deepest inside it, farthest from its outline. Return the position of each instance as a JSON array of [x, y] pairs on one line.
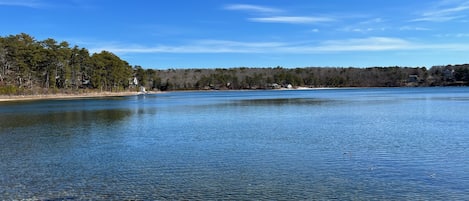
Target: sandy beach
[[65, 96]]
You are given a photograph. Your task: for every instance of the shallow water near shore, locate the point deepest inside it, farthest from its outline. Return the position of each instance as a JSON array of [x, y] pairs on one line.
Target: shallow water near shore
[[345, 144]]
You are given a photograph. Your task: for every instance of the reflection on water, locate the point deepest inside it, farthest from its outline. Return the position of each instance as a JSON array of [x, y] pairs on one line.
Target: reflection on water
[[360, 144], [279, 102], [64, 119]]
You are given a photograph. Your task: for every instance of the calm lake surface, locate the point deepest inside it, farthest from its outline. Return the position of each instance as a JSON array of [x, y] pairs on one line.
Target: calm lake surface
[[344, 144]]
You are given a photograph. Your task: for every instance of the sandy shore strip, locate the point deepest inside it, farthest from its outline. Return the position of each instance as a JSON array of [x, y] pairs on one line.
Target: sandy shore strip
[[66, 96]]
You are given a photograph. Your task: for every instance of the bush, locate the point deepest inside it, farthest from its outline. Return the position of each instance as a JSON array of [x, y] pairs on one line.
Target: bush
[[9, 90]]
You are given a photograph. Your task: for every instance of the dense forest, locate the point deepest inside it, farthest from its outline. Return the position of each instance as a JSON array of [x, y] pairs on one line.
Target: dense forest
[[264, 78], [29, 66]]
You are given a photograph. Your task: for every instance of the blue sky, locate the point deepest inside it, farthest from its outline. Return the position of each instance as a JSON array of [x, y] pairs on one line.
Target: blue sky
[[264, 33]]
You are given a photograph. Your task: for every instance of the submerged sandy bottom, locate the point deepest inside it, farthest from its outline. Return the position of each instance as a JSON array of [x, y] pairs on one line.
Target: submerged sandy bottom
[[66, 96]]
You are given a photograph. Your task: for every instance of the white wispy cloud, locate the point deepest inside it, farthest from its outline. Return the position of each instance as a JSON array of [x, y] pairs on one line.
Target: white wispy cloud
[[453, 35], [366, 44], [387, 44], [366, 26], [445, 12], [437, 18], [271, 15], [413, 28], [21, 3], [198, 46], [369, 44], [364, 29], [373, 21], [252, 8], [448, 11], [291, 19]]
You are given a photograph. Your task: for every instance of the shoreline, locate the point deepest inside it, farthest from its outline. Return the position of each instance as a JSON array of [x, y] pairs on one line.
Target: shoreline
[[65, 96], [62, 96]]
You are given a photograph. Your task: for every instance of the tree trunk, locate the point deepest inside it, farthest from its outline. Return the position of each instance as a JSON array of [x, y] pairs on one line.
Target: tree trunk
[[47, 80]]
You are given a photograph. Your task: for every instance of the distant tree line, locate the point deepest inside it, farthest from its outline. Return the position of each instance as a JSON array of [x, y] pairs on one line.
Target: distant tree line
[[277, 77], [29, 66]]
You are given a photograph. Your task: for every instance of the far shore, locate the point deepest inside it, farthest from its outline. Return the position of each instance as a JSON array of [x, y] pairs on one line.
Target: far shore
[[58, 96]]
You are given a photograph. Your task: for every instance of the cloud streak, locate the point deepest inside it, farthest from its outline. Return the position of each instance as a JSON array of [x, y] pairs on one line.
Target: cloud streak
[[441, 14], [291, 19], [252, 8], [370, 44], [196, 47], [271, 15], [366, 44], [21, 3]]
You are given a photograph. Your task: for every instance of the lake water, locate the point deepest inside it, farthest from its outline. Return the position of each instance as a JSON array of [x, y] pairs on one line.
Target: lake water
[[344, 144]]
